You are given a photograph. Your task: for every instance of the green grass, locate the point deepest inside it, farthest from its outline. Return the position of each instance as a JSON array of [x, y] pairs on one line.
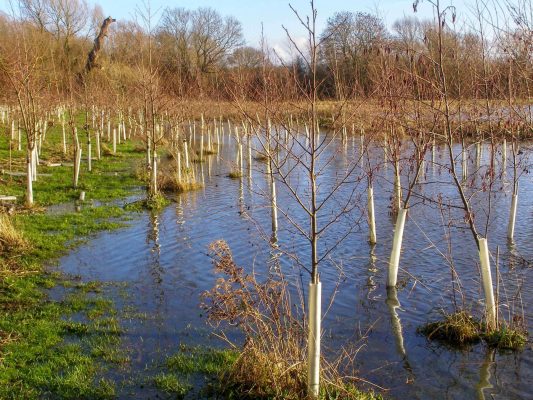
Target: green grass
[[111, 177], [506, 338]]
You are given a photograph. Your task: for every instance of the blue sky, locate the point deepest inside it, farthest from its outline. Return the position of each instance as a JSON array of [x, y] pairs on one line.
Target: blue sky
[[274, 13]]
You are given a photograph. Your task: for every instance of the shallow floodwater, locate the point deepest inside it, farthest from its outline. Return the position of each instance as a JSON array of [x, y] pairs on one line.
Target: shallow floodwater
[[163, 259]]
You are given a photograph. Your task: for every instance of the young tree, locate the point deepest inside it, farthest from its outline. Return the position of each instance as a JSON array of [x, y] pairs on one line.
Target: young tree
[[24, 61]]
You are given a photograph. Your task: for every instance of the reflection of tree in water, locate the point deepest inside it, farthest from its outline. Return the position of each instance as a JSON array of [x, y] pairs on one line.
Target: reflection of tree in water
[[180, 214], [484, 376], [274, 265], [372, 270], [155, 269], [241, 197], [396, 324]]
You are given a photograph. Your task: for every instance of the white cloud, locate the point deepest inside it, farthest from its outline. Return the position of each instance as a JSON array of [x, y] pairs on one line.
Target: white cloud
[[286, 51]]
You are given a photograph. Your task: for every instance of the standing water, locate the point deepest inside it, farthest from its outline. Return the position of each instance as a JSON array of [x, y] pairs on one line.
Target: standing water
[[164, 262]]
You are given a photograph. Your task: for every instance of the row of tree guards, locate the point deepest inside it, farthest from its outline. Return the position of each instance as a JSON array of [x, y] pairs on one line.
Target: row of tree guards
[[178, 135]]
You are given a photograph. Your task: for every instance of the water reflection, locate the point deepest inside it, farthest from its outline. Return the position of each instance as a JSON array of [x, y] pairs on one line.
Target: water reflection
[[485, 376], [393, 304], [372, 270]]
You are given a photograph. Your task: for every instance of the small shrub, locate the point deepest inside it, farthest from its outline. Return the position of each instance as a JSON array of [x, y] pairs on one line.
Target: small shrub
[[272, 364]]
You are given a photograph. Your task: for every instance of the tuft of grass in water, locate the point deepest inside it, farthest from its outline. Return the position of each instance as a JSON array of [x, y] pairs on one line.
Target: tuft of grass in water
[[169, 183], [346, 391], [182, 187], [461, 328], [458, 329], [506, 338], [156, 202], [234, 175], [261, 158], [171, 384], [210, 151], [190, 363], [152, 203]]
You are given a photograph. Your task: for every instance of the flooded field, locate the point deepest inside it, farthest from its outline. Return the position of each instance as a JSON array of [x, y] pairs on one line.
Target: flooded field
[[162, 260]]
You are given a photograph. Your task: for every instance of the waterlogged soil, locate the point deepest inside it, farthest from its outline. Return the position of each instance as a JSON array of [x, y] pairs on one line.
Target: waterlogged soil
[[161, 265]]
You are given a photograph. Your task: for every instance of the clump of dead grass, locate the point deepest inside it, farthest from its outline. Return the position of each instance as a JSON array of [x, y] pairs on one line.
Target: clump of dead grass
[[170, 183], [458, 328], [11, 240]]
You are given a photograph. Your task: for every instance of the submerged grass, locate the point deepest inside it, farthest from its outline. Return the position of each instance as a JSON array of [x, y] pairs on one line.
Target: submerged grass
[[180, 370], [171, 384], [56, 346], [201, 360]]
